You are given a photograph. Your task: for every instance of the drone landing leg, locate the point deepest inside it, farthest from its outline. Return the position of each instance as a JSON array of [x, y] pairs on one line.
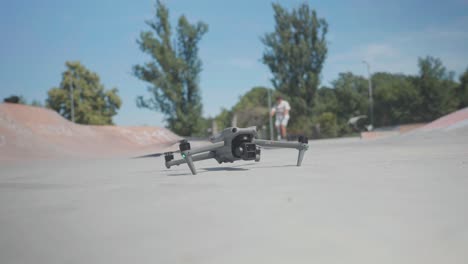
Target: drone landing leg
[[190, 164], [300, 157], [190, 159], [301, 146]]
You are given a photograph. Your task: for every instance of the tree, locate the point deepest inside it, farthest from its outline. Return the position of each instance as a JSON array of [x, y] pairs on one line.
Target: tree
[[19, 99], [396, 98], [256, 97], [328, 126], [173, 73], [252, 108], [436, 87], [15, 99], [295, 53], [325, 101], [462, 90], [223, 119], [352, 95], [93, 104], [36, 103]]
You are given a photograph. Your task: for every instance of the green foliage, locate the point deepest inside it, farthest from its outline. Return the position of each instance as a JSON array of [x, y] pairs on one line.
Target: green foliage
[[15, 99], [206, 126], [326, 101], [92, 103], [396, 99], [437, 89], [304, 125], [254, 116], [295, 53], [252, 108], [224, 119], [352, 96], [19, 99], [37, 103], [347, 98], [462, 90], [173, 73], [257, 96], [328, 125]]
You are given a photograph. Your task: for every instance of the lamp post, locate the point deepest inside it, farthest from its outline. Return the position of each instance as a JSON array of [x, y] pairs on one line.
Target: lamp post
[[371, 100]]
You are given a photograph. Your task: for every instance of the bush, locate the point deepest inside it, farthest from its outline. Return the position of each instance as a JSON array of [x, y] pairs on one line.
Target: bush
[[328, 125]]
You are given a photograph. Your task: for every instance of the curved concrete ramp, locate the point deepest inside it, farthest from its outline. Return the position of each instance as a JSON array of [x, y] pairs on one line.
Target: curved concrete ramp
[[28, 132], [452, 121], [455, 122]]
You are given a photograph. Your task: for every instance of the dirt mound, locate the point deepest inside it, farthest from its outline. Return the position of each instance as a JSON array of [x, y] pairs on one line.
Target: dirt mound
[[28, 132]]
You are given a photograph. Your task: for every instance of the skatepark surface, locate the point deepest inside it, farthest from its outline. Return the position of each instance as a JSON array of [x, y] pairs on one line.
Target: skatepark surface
[[399, 199]]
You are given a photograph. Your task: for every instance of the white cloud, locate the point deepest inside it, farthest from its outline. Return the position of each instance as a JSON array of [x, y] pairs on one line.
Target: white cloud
[[380, 55], [370, 52], [399, 53]]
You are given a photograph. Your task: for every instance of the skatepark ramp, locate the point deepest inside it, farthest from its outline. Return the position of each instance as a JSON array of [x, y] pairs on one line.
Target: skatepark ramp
[[390, 131], [453, 121], [28, 132]]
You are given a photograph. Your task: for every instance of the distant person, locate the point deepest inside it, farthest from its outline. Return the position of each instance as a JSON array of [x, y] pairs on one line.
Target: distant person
[[281, 109]]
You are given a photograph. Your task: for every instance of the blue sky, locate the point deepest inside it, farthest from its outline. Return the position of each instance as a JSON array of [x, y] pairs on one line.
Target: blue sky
[[37, 37]]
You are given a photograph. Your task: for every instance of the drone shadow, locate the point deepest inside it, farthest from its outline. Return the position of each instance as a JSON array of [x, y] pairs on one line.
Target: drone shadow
[[204, 170], [240, 167], [225, 169], [276, 166], [179, 174]]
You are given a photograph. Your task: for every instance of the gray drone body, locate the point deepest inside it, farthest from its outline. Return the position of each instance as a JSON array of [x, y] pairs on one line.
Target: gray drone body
[[230, 145]]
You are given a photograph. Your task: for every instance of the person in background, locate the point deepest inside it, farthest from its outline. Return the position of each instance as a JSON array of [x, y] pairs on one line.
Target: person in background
[[281, 109]]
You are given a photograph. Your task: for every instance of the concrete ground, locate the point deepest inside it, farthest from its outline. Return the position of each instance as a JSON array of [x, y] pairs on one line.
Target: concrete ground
[[396, 200]]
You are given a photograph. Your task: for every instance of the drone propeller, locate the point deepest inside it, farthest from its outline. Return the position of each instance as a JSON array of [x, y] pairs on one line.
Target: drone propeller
[[158, 154]]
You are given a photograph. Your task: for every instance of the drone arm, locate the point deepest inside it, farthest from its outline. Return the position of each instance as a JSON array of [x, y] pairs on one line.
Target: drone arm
[[301, 146], [190, 159], [210, 147], [198, 157], [278, 144]]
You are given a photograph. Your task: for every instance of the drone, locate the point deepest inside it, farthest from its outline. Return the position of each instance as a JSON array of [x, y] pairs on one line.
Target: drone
[[230, 145]]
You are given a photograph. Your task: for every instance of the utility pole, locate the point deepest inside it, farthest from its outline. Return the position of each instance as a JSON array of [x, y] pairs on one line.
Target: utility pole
[[371, 100], [269, 114]]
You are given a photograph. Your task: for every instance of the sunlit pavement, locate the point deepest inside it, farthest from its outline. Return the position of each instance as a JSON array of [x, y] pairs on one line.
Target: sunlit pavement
[[397, 200]]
